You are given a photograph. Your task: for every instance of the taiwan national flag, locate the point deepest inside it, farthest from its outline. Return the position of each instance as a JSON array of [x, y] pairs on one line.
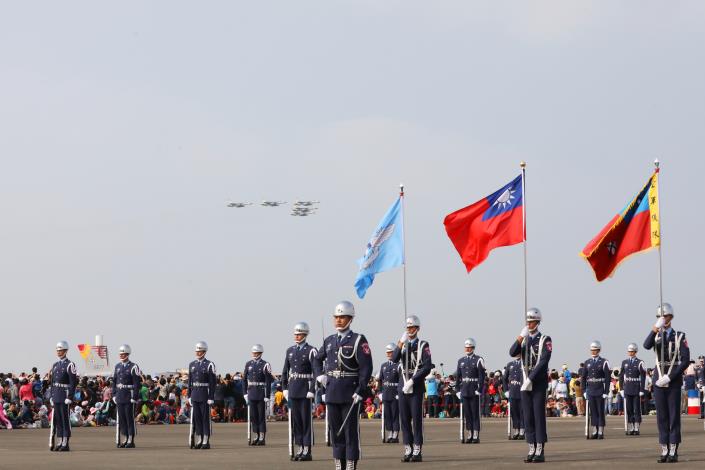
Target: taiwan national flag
[[636, 228], [497, 220]]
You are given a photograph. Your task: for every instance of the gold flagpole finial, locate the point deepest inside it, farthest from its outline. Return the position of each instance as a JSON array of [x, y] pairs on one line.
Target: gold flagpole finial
[[522, 164]]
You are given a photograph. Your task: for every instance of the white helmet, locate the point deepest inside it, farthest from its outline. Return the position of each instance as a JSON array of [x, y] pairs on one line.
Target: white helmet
[[664, 309], [390, 347], [301, 328], [344, 308], [533, 314], [62, 346], [595, 345], [125, 349], [632, 347], [413, 320], [470, 343], [257, 348], [201, 346]]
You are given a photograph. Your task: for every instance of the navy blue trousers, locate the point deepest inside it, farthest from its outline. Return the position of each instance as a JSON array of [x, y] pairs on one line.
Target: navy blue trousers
[[391, 415], [300, 413], [62, 425], [632, 406], [471, 412], [668, 413], [126, 418], [346, 446], [258, 418], [533, 405], [516, 414], [411, 412], [201, 416], [597, 410]]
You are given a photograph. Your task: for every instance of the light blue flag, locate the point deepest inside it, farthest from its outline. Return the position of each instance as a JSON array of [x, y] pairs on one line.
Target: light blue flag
[[385, 250]]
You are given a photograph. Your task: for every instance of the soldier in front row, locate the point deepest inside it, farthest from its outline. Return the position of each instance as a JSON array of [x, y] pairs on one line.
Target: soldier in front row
[[345, 365], [298, 383], [596, 377], [388, 381], [414, 358], [672, 359], [63, 380], [511, 384], [632, 383], [127, 380], [201, 391], [535, 350], [258, 388], [470, 374]]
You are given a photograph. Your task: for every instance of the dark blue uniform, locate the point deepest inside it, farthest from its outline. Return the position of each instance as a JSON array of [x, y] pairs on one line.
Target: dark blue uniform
[[470, 375], [388, 379], [596, 377], [299, 379], [535, 352], [127, 381], [414, 359], [63, 386], [700, 380], [346, 360], [201, 389], [258, 383], [676, 359], [512, 378], [632, 381]]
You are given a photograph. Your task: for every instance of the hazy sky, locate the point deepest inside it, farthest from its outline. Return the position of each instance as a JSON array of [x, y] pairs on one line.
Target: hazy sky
[[125, 126]]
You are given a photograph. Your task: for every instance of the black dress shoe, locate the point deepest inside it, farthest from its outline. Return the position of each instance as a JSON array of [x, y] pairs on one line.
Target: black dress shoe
[[673, 458], [131, 445], [198, 446], [254, 443], [594, 436], [600, 436], [663, 459], [521, 437], [636, 433], [306, 457], [120, 445], [476, 440], [406, 458], [64, 448], [417, 458], [539, 458], [206, 446], [261, 443], [529, 458]]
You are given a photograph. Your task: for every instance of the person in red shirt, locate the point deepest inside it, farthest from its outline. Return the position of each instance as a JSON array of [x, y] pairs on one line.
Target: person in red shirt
[[26, 392]]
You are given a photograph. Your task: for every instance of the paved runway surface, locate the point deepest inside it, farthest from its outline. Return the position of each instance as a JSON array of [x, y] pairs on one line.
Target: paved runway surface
[[164, 447]]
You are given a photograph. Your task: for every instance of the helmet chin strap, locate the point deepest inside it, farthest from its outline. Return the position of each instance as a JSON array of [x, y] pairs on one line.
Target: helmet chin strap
[[535, 329], [302, 340], [344, 328]]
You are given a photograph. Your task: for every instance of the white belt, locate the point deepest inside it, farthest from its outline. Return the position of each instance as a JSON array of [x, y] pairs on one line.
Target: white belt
[[200, 384], [124, 386], [390, 384], [341, 373], [255, 384], [296, 375], [469, 379]]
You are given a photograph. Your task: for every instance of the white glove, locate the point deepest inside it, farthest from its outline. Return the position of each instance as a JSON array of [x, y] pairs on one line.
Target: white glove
[[380, 397], [396, 397], [621, 392], [210, 402], [322, 379], [663, 381], [133, 401], [114, 400], [459, 395], [408, 387], [51, 401], [477, 392], [404, 338], [527, 385], [604, 396], [247, 400], [190, 402], [266, 399], [323, 397], [506, 394], [286, 395], [641, 394], [524, 332], [309, 395], [660, 323], [67, 401], [356, 398]]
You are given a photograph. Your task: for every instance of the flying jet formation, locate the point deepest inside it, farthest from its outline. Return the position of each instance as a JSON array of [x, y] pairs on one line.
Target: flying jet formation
[[272, 203], [305, 203], [238, 204]]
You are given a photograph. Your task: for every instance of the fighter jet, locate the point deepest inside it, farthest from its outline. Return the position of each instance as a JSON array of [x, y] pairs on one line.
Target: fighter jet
[[305, 203], [303, 211], [237, 204], [272, 203], [302, 214]]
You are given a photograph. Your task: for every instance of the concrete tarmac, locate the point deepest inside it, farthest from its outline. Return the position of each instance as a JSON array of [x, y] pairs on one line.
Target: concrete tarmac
[[166, 447]]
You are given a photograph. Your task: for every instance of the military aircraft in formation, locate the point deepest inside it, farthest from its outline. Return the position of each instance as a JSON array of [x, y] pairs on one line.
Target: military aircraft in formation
[[272, 203], [299, 208], [237, 204]]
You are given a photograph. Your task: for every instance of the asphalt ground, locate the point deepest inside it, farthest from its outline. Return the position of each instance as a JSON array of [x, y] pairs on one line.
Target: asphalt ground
[[165, 447]]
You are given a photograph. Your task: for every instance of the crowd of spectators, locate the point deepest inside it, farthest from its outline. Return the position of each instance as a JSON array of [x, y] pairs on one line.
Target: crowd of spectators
[[24, 399]]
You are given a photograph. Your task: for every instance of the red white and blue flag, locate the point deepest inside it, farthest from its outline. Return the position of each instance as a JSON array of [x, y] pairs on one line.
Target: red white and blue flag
[[635, 228], [494, 221]]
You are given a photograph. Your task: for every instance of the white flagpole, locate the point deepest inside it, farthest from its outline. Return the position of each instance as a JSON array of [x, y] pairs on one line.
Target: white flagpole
[[660, 275], [403, 235], [525, 359]]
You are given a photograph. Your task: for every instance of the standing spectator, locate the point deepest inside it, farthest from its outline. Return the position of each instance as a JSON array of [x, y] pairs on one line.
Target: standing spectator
[[432, 398], [229, 398], [26, 390]]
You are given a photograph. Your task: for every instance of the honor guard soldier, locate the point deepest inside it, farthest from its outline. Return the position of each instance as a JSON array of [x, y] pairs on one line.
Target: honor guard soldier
[[258, 384], [512, 378], [298, 382], [388, 380], [201, 391], [63, 381], [535, 350], [672, 359], [596, 377], [345, 365], [700, 381], [127, 380], [632, 383], [470, 375], [414, 359]]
